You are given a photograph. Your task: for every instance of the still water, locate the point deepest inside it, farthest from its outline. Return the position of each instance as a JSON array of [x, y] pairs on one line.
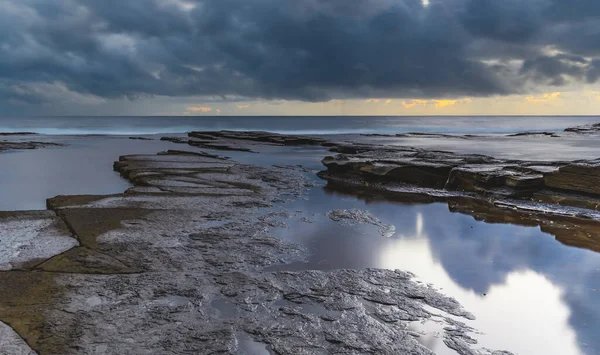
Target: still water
[[530, 293], [84, 166]]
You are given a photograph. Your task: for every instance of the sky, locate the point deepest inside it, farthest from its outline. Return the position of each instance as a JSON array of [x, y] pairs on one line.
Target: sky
[[301, 57]]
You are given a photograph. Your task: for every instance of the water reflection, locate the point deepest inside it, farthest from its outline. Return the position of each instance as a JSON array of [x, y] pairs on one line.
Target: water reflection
[[530, 293], [84, 166]]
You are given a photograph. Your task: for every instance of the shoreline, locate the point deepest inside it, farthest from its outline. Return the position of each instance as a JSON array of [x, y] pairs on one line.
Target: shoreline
[[202, 202]]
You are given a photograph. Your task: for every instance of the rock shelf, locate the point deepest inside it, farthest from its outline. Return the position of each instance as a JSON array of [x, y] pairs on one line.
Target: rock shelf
[[561, 197], [177, 265]]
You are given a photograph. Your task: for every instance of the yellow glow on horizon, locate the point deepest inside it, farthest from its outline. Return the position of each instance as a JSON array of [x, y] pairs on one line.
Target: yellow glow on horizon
[[584, 101], [544, 98], [414, 103], [199, 109], [444, 103]]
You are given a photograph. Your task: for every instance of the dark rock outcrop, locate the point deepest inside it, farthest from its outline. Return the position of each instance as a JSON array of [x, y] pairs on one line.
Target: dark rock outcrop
[[585, 129], [17, 134], [26, 145], [242, 141], [534, 134]]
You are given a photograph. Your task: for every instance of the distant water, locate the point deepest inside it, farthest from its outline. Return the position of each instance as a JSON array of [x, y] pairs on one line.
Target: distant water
[[298, 125]]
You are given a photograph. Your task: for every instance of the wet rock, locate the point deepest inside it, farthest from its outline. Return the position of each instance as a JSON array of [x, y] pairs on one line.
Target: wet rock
[[425, 176], [263, 137], [429, 135], [11, 343], [243, 141], [585, 129], [28, 237], [5, 145], [534, 134], [86, 261], [17, 134], [354, 217], [579, 177], [179, 140]]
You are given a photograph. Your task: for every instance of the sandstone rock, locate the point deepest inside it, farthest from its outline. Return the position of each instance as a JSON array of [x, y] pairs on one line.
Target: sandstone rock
[[29, 237], [580, 177]]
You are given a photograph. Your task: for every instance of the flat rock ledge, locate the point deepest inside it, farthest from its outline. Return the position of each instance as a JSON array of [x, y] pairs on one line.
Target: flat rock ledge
[[8, 145], [177, 264]]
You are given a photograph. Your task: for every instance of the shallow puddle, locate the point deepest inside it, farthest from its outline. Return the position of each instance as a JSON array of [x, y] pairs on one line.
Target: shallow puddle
[[248, 346], [530, 293]]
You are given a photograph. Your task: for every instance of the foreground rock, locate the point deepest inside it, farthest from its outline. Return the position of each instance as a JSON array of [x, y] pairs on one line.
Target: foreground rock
[[177, 265], [30, 237]]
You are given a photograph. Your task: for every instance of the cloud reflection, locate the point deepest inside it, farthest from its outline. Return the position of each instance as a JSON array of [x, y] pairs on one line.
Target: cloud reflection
[[525, 314], [540, 295]]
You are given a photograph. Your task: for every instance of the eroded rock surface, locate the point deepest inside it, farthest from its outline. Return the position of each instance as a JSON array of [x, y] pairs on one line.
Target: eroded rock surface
[[27, 237], [177, 265], [353, 217], [11, 343]]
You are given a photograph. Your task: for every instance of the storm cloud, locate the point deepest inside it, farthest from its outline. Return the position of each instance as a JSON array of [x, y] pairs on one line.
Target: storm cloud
[[309, 50]]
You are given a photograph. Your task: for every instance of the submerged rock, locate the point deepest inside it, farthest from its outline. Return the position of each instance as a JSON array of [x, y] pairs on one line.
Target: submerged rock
[[354, 217]]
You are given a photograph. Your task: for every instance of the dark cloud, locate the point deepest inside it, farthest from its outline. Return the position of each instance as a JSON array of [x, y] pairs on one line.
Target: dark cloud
[[507, 20], [556, 70], [312, 50]]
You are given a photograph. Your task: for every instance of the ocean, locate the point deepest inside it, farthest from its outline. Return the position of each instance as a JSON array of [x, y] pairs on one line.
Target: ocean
[[128, 125]]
